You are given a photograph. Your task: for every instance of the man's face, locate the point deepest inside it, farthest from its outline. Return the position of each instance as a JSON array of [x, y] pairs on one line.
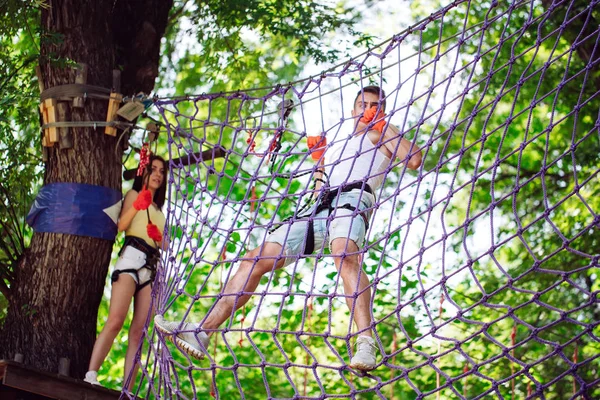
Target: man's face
[[364, 102]]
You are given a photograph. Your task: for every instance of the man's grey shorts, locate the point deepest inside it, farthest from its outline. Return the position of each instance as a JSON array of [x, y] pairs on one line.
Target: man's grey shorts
[[342, 223]]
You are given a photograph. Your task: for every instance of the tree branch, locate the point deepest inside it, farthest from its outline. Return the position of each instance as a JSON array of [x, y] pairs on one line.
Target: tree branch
[[582, 27], [14, 73], [176, 14]]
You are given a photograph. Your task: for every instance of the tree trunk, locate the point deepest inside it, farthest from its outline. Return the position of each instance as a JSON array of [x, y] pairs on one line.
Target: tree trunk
[[579, 29], [59, 283]]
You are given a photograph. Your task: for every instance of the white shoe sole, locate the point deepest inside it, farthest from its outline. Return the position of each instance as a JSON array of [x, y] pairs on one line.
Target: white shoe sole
[[362, 366], [185, 346]]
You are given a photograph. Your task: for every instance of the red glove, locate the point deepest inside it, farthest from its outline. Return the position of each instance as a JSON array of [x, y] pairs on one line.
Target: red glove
[[316, 145], [154, 233], [143, 200]]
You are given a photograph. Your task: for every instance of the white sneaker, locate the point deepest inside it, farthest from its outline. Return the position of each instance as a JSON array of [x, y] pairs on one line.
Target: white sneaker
[[192, 343], [365, 358], [92, 377]]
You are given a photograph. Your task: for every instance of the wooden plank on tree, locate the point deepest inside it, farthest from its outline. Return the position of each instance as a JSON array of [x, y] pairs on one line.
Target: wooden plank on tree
[[44, 114], [113, 106], [46, 139], [53, 386], [50, 108]]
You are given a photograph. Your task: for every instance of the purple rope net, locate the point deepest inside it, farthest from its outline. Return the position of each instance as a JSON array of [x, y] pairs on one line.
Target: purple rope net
[[482, 263]]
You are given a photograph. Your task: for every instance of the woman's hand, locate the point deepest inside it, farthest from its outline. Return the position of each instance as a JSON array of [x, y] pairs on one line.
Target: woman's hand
[[143, 200]]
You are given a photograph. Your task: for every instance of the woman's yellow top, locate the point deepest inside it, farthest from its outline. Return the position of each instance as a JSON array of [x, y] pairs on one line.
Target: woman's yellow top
[[138, 225]]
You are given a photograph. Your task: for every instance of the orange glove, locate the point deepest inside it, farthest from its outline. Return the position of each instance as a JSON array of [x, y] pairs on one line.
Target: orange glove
[[316, 145], [154, 233], [143, 200], [380, 125], [369, 115]]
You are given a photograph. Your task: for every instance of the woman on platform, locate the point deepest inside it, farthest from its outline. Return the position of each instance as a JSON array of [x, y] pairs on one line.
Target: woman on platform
[[143, 222]]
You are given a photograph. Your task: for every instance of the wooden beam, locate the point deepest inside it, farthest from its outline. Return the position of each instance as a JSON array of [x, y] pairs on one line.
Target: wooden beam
[[217, 152], [53, 386]]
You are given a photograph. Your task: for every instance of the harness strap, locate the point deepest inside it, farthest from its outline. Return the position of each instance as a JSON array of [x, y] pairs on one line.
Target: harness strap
[[115, 277], [143, 285], [152, 258], [326, 204], [309, 246], [350, 207], [139, 244]]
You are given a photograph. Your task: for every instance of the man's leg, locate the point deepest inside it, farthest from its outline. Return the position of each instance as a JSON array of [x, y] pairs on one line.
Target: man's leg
[[255, 264], [355, 281], [192, 338]]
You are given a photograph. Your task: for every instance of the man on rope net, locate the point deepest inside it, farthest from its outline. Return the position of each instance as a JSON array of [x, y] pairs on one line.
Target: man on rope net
[[341, 214]]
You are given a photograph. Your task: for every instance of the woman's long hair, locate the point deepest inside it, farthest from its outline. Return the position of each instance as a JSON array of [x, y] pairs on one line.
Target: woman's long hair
[[161, 192]]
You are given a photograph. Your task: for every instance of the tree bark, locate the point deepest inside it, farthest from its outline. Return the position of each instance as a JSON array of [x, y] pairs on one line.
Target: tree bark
[[59, 283]]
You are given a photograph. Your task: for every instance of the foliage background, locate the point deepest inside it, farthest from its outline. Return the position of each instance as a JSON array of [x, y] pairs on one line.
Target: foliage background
[[541, 285]]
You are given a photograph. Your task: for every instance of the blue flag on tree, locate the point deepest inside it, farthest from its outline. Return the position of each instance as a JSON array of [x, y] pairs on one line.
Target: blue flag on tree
[[76, 209]]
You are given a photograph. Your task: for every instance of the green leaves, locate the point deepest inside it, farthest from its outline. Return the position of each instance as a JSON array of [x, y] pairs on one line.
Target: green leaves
[[523, 150], [241, 44], [20, 164]]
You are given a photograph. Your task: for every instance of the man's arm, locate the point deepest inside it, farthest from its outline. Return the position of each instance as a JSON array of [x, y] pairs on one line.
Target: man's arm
[[317, 146], [318, 177], [395, 145], [402, 148]]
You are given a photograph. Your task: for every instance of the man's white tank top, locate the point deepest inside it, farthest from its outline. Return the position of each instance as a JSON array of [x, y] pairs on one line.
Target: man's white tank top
[[356, 159]]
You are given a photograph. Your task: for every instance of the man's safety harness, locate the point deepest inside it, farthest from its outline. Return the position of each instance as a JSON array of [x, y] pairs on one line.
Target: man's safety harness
[[325, 202]]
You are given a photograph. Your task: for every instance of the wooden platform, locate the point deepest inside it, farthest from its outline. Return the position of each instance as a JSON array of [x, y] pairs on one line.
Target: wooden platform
[[18, 382]]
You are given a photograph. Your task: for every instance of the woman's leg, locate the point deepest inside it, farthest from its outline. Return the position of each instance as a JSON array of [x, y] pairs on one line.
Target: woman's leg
[[120, 298], [142, 302]]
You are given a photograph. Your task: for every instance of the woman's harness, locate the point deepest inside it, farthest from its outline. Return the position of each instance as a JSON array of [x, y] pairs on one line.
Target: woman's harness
[[152, 259]]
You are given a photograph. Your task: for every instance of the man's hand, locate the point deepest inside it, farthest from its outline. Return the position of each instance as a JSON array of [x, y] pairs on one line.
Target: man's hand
[[316, 145], [368, 116], [379, 126]]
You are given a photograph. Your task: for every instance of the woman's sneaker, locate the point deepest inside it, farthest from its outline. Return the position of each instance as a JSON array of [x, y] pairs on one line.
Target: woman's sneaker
[[92, 377], [192, 343], [365, 358]]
